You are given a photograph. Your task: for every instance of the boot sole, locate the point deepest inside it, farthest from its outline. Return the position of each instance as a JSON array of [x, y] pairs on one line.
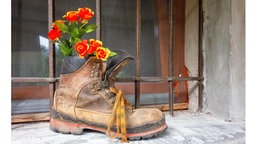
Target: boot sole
[[69, 127]]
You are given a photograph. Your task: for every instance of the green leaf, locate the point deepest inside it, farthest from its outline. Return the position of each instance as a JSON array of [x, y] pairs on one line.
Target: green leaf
[[71, 27], [112, 54], [77, 40], [90, 28], [75, 32], [74, 40], [66, 51], [81, 33], [61, 26], [67, 43]]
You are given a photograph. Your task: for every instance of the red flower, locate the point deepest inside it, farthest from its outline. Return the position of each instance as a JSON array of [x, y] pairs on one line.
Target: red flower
[[82, 48], [102, 53], [54, 34], [68, 31], [94, 44], [72, 16], [85, 13]]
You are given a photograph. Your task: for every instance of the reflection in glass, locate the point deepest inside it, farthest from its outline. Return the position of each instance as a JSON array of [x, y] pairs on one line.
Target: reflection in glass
[[29, 27], [119, 32]]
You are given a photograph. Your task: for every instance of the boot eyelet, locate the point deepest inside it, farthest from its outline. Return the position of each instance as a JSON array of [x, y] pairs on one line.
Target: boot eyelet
[[96, 74], [98, 65], [97, 87]]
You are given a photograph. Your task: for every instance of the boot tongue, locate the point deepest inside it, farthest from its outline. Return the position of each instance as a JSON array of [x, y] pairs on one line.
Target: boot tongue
[[114, 64]]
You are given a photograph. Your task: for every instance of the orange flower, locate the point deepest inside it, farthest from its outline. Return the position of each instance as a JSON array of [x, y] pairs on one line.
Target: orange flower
[[54, 34], [94, 44], [71, 16], [85, 13], [68, 31], [102, 53], [82, 48]]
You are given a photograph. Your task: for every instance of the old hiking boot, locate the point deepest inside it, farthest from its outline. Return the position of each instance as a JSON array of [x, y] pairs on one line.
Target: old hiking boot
[[87, 99]]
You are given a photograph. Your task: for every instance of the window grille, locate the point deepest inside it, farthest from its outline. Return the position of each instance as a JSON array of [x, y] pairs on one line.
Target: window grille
[[52, 79]]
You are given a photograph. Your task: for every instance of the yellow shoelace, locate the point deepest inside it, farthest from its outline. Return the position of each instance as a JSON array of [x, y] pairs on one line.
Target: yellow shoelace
[[118, 114]]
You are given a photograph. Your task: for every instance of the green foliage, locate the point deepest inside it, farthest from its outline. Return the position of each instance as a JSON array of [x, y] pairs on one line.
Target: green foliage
[[68, 33], [90, 28], [61, 26], [112, 54], [72, 33], [67, 51]]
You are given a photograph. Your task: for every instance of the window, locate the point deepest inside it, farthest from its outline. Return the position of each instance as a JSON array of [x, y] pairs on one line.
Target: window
[[29, 55], [141, 27]]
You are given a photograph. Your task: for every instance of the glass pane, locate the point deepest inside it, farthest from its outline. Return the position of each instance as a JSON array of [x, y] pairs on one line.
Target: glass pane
[[119, 32], [119, 29], [150, 98], [29, 38], [150, 50], [30, 48], [151, 93]]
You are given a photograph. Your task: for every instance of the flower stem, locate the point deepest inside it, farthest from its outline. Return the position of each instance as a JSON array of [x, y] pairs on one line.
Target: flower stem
[[59, 41], [82, 25]]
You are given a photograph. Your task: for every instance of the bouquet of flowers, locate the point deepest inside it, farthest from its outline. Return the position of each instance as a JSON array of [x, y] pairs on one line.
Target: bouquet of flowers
[[67, 35]]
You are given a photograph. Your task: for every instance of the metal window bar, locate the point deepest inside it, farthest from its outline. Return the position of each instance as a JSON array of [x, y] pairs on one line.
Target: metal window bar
[[137, 79], [138, 54], [51, 18], [200, 56], [170, 66], [98, 19]]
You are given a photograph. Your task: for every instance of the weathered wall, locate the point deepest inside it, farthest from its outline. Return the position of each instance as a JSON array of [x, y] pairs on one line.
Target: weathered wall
[[223, 44], [224, 56], [237, 71], [216, 43], [191, 50]]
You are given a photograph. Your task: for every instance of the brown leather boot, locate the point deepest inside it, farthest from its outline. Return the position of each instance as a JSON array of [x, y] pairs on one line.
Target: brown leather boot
[[87, 99]]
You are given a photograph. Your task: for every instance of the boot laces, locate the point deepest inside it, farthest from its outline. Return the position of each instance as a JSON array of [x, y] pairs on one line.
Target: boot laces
[[118, 114]]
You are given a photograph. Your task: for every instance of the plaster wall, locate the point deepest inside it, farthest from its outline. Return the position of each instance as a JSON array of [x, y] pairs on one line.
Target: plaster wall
[[216, 43], [224, 56], [223, 44], [237, 72], [191, 50]]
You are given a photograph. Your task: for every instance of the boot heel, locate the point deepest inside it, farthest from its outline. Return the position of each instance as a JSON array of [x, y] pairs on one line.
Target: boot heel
[[65, 127]]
